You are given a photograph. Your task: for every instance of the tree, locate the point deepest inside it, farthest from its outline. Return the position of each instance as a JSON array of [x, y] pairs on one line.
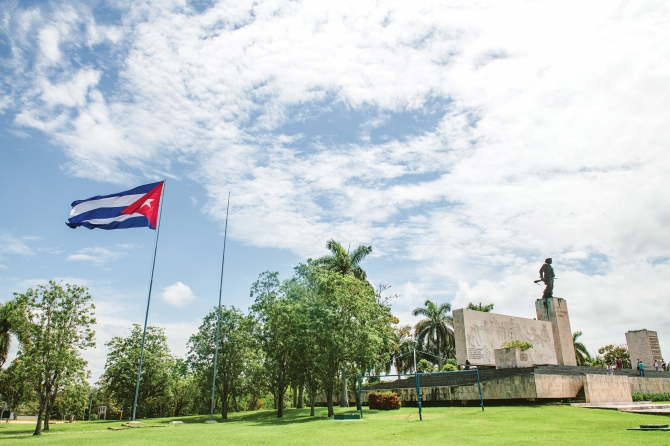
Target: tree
[[5, 330], [611, 353], [435, 329], [403, 348], [73, 400], [581, 353], [275, 316], [13, 389], [53, 325], [345, 263], [479, 307], [236, 345], [120, 375], [351, 327], [184, 388]]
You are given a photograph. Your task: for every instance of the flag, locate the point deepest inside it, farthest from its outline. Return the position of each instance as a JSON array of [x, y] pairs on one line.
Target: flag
[[135, 208]]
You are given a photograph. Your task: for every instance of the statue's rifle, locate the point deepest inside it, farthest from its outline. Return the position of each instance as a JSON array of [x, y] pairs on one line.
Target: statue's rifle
[[541, 280]]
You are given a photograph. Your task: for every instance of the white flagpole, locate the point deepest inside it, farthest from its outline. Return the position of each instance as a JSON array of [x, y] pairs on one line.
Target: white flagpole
[[218, 316], [146, 316]]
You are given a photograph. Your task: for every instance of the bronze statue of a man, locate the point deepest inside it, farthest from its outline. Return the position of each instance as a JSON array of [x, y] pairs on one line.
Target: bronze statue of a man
[[547, 276]]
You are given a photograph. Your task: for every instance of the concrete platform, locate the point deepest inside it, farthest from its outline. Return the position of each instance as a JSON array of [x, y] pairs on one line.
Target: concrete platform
[[641, 408]]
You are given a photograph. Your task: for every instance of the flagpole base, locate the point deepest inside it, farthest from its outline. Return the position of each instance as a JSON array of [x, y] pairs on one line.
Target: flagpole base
[[211, 422]]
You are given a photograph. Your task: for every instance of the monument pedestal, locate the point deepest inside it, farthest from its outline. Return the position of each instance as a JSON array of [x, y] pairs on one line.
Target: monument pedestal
[[555, 310], [643, 345]]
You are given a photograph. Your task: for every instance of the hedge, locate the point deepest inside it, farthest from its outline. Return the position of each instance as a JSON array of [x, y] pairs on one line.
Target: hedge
[[383, 401], [651, 397]]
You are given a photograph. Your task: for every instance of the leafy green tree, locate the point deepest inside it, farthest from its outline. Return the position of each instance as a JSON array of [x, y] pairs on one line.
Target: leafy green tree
[[184, 388], [13, 386], [436, 329], [305, 370], [581, 353], [5, 330], [120, 375], [611, 353], [73, 401], [345, 263], [351, 326], [53, 325], [236, 351], [275, 316], [479, 307]]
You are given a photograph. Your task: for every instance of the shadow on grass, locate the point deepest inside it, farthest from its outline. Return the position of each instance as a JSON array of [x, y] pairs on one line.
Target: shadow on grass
[[264, 417]]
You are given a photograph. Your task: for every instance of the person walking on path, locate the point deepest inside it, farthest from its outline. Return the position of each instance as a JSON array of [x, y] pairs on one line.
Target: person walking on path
[[610, 369], [663, 365], [619, 364], [656, 364], [640, 365]]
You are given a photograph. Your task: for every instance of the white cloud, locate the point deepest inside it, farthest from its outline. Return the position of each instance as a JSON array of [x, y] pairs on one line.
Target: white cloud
[[97, 254], [13, 245], [177, 294], [550, 138]]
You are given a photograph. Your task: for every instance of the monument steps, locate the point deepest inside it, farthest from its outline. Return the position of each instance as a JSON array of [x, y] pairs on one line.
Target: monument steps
[[581, 396]]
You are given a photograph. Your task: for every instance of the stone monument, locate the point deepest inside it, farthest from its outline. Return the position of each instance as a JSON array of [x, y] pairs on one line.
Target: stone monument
[[555, 311], [478, 334], [643, 345]]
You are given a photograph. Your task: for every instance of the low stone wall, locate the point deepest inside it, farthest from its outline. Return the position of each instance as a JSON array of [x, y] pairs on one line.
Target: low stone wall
[[647, 385], [557, 386], [607, 389], [598, 387]]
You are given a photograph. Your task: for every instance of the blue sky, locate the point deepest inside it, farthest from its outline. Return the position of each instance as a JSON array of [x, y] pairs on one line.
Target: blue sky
[[464, 142]]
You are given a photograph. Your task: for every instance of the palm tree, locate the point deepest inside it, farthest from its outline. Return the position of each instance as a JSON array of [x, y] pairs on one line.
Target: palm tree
[[581, 353], [436, 330], [480, 307], [403, 345], [344, 262]]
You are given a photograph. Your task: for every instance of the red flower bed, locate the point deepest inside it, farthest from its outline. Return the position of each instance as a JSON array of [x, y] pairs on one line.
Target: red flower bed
[[383, 401]]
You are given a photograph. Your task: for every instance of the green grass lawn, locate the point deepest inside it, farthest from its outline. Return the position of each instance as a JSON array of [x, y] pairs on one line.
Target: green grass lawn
[[510, 425]]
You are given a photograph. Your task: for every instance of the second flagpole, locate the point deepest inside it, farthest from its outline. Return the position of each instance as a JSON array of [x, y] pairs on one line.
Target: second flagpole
[[218, 316]]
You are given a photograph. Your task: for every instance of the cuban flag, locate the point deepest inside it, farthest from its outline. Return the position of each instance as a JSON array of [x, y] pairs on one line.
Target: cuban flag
[[135, 208]]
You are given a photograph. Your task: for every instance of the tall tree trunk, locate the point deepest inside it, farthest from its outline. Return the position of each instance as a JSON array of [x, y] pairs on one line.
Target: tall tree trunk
[[440, 363], [40, 413], [329, 400], [236, 408], [280, 402], [47, 411], [312, 401], [344, 398], [294, 390], [301, 396], [358, 401], [224, 405]]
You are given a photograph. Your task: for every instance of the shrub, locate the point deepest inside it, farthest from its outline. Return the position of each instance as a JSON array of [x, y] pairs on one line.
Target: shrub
[[449, 366], [424, 366], [651, 397], [516, 343], [383, 401]]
